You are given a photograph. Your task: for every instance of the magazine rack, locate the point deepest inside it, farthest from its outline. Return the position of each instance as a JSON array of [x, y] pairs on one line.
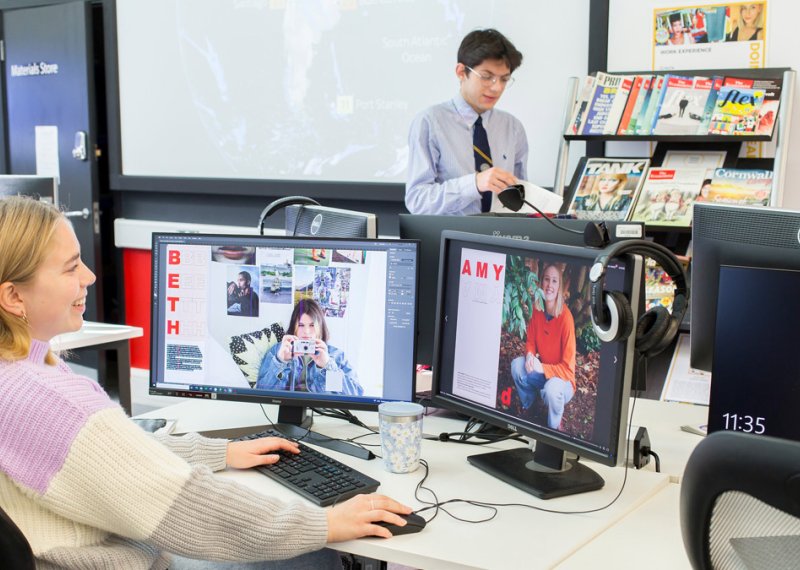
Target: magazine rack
[[731, 144]]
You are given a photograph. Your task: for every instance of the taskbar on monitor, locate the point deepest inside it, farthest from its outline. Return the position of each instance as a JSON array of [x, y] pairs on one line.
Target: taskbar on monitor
[[213, 392]]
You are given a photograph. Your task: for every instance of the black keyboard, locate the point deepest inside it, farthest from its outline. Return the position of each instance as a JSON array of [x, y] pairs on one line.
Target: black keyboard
[[312, 474]]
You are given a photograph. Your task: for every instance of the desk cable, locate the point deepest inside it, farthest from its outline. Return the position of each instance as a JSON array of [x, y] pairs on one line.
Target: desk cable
[[340, 414], [493, 507], [463, 437], [476, 428]]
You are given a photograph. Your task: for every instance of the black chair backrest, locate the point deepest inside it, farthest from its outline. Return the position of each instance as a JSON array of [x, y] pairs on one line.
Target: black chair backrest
[[15, 552], [740, 502]]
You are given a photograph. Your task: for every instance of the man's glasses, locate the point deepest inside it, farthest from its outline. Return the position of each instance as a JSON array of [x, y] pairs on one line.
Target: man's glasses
[[490, 78]]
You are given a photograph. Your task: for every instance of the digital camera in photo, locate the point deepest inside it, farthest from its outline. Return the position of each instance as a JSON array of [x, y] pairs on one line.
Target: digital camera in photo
[[304, 347]]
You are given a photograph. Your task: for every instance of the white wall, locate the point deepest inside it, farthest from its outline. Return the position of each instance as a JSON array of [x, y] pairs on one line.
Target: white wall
[[630, 48]]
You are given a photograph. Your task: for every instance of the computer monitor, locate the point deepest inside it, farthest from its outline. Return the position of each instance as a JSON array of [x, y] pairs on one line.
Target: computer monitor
[[222, 305], [748, 236], [754, 387], [44, 188], [310, 220], [428, 230], [514, 338]]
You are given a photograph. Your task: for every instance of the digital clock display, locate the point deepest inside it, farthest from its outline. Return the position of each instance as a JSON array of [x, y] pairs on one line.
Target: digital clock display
[[755, 381], [745, 423]]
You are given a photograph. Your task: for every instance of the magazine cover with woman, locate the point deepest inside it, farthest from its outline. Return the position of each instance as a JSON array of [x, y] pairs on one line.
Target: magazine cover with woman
[[607, 188]]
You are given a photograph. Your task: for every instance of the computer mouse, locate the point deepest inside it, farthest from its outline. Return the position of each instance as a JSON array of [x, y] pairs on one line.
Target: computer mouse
[[414, 523]]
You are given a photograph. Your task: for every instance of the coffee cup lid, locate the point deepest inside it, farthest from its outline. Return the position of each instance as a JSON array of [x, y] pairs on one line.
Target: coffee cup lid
[[400, 409]]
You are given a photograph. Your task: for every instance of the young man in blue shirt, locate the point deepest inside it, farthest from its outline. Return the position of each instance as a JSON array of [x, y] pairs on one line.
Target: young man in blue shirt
[[449, 168]]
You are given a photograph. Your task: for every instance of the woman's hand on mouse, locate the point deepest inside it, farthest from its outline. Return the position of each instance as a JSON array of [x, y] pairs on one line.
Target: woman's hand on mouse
[[252, 452], [355, 517]]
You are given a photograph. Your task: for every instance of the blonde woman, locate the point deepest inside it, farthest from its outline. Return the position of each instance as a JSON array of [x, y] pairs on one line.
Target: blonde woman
[[548, 367], [607, 195], [750, 24], [90, 489]]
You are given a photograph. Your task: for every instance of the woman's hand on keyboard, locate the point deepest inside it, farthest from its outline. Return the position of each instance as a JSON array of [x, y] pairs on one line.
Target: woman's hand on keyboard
[[355, 517], [252, 452]]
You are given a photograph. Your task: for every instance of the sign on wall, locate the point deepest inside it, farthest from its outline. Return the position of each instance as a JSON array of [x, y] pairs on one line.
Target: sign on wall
[[708, 36]]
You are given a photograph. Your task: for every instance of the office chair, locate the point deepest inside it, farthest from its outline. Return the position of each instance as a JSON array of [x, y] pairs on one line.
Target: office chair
[[15, 552], [740, 503]]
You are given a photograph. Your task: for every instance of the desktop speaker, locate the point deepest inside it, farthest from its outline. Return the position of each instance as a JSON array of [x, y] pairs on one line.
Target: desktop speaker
[[321, 221]]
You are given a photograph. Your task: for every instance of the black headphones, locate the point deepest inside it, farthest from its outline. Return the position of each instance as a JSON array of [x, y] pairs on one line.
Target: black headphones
[[612, 316], [276, 205]]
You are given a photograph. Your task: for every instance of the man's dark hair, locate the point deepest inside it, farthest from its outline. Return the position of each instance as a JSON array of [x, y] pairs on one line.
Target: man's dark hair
[[675, 17], [246, 276], [480, 45]]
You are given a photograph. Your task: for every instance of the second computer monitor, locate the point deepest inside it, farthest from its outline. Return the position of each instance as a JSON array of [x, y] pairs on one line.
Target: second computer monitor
[[428, 230], [516, 348]]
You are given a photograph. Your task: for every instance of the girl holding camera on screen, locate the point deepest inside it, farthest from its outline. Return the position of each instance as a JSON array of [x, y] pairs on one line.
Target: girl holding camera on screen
[[304, 361]]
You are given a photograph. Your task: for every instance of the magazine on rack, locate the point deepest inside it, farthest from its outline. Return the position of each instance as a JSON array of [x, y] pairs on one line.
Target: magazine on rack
[[683, 101], [582, 101], [716, 85], [605, 91], [667, 196], [736, 109], [745, 187], [619, 104], [768, 113], [641, 100], [630, 104], [644, 123], [607, 188]]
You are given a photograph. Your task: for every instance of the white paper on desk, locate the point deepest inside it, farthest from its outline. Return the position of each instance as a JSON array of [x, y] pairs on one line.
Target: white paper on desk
[[683, 383], [547, 201]]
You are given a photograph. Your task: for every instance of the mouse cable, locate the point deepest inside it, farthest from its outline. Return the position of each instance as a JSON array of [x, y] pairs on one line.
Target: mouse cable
[[438, 505]]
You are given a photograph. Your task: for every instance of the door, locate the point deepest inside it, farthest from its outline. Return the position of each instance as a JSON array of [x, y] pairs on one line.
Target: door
[[50, 85]]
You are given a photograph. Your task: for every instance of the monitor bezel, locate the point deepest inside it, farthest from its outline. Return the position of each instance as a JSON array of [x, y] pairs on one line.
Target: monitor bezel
[[633, 278], [291, 399]]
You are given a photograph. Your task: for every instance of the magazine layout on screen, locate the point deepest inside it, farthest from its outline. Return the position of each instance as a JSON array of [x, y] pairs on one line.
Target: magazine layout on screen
[[543, 373], [232, 317]]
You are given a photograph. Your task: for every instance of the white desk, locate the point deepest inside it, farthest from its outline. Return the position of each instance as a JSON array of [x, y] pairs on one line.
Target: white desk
[[102, 336], [517, 537], [649, 537], [663, 421]]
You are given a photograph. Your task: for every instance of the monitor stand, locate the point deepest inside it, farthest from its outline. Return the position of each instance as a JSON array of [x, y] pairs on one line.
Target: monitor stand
[[544, 473], [295, 422]]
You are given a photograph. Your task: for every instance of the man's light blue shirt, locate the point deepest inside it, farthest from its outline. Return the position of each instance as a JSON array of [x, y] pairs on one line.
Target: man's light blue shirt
[[441, 163]]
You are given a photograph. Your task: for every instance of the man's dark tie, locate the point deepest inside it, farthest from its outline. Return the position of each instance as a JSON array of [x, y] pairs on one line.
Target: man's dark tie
[[483, 159]]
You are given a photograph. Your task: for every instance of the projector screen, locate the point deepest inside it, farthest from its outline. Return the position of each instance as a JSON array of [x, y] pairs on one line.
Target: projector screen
[[322, 90]]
